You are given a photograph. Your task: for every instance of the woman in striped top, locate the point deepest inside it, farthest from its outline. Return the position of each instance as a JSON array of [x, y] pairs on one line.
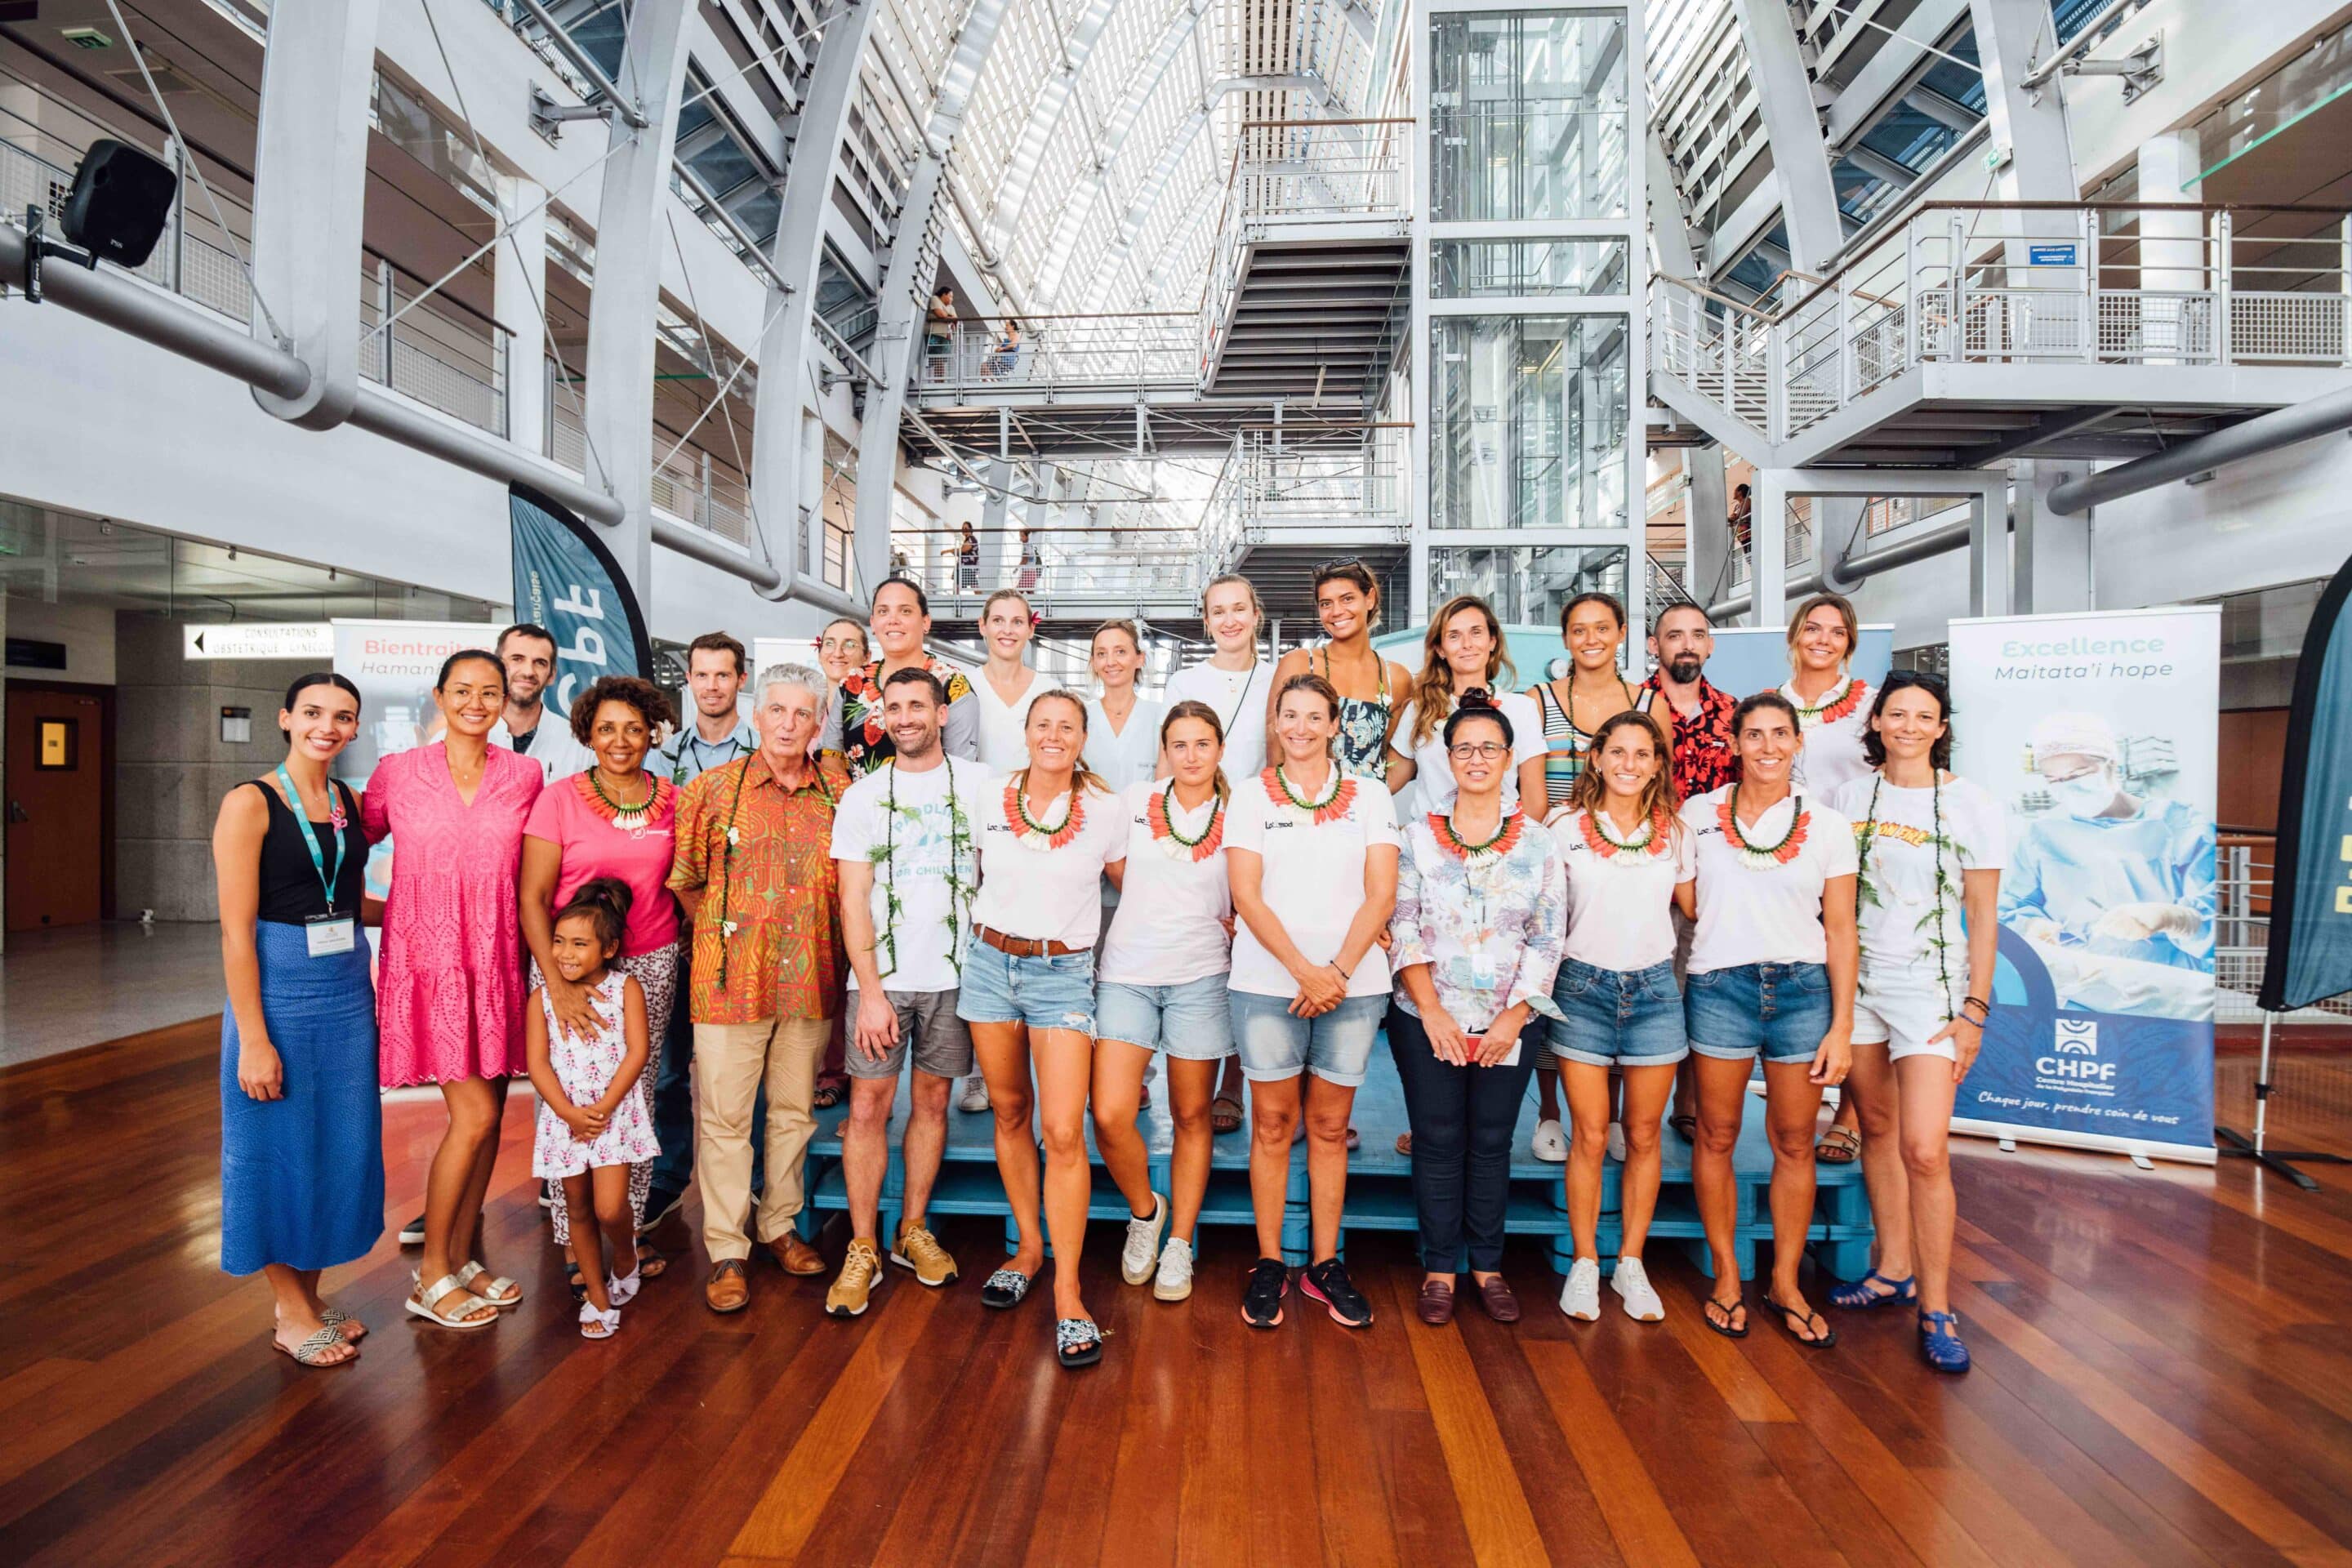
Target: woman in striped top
[[1593, 690]]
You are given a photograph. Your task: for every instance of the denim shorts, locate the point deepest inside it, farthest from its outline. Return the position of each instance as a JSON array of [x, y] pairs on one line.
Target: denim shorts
[[1275, 1044], [1779, 1009], [1192, 1022], [1056, 993], [1618, 1018]]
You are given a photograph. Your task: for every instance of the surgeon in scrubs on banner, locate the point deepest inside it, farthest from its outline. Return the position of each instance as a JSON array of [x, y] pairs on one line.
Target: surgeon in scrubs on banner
[[2106, 872]]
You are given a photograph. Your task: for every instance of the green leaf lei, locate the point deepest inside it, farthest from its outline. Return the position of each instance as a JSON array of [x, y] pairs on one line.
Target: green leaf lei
[[1866, 892], [959, 899]]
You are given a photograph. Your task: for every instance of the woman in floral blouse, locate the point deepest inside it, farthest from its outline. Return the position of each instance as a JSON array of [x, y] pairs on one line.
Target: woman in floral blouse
[[1476, 942]]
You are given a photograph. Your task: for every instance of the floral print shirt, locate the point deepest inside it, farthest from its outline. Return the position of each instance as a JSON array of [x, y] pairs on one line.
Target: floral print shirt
[[1490, 923], [1705, 757], [853, 729], [767, 939]]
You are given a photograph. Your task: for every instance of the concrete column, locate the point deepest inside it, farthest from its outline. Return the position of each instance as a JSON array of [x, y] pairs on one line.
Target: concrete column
[[1836, 536], [1792, 124], [1669, 224], [309, 183], [630, 236], [518, 298], [905, 291], [2172, 245], [2052, 550], [2040, 166], [1988, 556], [1707, 546], [1768, 532]]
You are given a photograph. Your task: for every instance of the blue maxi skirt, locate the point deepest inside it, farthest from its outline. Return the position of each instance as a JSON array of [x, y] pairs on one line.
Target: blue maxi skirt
[[302, 1176]]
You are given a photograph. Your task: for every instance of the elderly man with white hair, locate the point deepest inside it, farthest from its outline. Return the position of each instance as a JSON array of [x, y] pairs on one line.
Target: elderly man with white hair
[[755, 873], [2108, 872]]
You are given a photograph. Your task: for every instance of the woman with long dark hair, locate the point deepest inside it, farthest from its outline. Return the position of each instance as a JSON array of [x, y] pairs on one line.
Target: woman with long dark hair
[[1474, 942], [1048, 838], [301, 1130], [1771, 974], [1930, 847], [1367, 687], [450, 992], [1463, 652]]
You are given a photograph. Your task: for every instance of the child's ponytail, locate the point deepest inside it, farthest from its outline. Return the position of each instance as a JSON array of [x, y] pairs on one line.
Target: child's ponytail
[[604, 901]]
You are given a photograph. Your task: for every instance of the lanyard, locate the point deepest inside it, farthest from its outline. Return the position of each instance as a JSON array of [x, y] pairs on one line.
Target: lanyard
[[694, 738], [310, 838]]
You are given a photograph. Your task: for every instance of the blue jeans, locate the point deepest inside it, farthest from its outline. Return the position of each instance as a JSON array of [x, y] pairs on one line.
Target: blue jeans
[[673, 1108], [1463, 1118]]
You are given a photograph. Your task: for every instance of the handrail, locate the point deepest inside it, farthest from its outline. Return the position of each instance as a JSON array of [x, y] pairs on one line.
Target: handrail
[[1705, 292]]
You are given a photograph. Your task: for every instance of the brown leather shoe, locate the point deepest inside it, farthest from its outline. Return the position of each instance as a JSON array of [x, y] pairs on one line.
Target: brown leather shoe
[[795, 1255], [1436, 1303], [728, 1289], [1496, 1298]]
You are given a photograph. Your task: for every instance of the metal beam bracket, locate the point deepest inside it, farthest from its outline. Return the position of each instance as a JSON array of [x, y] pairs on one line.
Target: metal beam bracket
[[2141, 70], [547, 117]]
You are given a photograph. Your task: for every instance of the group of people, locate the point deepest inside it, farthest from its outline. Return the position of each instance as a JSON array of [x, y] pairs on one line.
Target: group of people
[[1637, 889]]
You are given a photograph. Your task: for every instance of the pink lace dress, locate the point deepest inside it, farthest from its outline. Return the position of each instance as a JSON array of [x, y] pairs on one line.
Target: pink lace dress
[[450, 982]]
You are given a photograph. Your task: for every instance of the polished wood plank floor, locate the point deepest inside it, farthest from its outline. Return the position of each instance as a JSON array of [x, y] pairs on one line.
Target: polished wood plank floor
[[2162, 1377]]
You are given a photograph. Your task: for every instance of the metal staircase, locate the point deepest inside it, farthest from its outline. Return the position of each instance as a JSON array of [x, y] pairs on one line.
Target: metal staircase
[[1975, 332]]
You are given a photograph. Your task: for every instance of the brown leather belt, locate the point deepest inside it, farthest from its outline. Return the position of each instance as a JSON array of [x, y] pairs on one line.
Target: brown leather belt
[[1024, 946]]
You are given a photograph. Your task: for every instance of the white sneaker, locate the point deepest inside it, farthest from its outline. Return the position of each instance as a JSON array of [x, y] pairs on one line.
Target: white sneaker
[[1174, 1281], [1549, 1143], [1581, 1297], [1632, 1282], [1616, 1142], [1135, 1259], [975, 1094]]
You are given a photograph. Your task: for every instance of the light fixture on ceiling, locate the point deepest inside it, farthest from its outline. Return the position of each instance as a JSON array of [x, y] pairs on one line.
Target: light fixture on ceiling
[[86, 38], [232, 552]]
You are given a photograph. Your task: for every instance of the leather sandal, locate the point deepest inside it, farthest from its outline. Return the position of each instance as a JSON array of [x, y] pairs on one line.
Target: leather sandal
[[426, 1304]]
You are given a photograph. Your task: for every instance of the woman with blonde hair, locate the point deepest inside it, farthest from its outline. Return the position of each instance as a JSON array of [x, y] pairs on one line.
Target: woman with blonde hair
[[1161, 986], [1047, 840], [1626, 852], [1122, 728], [1463, 652]]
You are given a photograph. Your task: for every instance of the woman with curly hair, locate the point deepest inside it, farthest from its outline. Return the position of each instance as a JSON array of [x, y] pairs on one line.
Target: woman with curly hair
[[614, 818]]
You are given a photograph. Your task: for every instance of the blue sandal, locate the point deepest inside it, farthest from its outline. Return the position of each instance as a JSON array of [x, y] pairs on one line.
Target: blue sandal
[[1939, 1342], [1856, 1296]]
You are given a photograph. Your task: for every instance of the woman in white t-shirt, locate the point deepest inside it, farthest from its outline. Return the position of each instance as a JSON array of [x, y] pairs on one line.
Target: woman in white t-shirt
[[1234, 683], [1046, 841], [1832, 712], [1463, 651], [1930, 848], [1007, 684], [1160, 985], [1626, 852], [1771, 973], [1122, 728], [1312, 855]]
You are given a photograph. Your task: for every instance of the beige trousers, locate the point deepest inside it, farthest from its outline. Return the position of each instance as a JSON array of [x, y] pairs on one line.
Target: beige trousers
[[730, 1062]]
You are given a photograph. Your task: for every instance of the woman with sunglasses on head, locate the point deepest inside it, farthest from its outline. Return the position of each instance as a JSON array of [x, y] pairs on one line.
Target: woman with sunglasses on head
[[1626, 851], [1930, 847], [1161, 986], [1368, 686], [1476, 942], [1048, 839], [1573, 708], [302, 1123], [1312, 854], [1772, 973], [1833, 711], [1236, 685], [449, 984], [1463, 652]]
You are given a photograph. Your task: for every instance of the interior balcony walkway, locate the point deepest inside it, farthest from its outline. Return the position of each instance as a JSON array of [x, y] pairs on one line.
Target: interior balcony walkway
[[1972, 333]]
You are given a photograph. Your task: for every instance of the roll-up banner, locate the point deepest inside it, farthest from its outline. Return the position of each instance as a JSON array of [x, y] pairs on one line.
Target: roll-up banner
[[2097, 732], [2310, 953], [394, 665], [567, 581]]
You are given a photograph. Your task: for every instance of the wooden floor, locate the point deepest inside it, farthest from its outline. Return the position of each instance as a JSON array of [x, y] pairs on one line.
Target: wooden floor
[[2162, 1376]]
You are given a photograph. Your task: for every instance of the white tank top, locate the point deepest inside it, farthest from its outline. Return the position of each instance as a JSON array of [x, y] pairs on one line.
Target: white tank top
[[1001, 745]]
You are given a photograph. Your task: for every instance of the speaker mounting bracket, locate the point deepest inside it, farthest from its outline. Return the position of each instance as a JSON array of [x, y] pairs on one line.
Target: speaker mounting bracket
[[547, 117], [39, 248]]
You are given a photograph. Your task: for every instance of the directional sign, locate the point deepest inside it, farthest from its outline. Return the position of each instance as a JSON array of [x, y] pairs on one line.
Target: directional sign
[[312, 641]]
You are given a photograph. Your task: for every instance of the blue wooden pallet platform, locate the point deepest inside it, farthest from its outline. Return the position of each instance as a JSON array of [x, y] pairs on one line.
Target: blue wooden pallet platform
[[1380, 1183]]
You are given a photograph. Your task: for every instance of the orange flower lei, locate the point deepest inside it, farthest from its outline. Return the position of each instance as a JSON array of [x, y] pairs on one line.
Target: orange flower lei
[[1601, 844], [1835, 709], [1278, 790], [1036, 834], [1763, 857], [1507, 837], [1164, 834]]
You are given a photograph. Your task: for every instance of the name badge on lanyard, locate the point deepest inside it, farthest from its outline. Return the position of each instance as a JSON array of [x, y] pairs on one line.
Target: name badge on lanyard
[[333, 932]]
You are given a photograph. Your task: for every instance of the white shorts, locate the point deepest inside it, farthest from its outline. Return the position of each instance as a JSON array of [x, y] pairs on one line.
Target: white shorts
[[1897, 1006]]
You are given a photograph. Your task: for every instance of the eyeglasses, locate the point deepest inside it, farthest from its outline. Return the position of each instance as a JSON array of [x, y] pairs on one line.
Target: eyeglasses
[[1487, 750]]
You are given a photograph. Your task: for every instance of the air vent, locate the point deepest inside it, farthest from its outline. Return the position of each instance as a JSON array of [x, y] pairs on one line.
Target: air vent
[[167, 80], [86, 38]]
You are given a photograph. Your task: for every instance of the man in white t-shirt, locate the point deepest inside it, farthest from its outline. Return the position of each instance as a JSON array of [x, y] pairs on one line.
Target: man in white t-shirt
[[905, 840]]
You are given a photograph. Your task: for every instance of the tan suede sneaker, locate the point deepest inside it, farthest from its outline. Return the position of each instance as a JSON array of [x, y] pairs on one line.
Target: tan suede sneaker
[[919, 1250], [853, 1287]]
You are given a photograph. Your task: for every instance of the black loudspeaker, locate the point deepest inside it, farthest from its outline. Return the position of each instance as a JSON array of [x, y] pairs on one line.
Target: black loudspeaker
[[121, 200]]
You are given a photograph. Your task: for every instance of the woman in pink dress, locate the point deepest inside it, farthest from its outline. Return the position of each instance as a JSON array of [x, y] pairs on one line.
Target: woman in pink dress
[[449, 987]]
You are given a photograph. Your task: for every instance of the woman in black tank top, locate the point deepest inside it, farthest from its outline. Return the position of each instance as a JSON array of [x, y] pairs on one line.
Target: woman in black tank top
[[301, 1127]]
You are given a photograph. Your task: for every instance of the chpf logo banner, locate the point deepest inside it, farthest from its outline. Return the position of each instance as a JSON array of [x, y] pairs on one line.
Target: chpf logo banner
[[2098, 734]]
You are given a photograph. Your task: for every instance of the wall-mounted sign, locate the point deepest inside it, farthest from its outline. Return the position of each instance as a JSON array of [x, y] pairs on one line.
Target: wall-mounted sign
[[297, 639], [2050, 255]]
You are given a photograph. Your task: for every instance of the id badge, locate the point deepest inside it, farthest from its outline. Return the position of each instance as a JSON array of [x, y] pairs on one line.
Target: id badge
[[1484, 973], [330, 935]]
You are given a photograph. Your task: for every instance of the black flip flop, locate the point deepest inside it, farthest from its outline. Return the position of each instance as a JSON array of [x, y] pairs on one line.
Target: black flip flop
[[1737, 1304], [1829, 1335]]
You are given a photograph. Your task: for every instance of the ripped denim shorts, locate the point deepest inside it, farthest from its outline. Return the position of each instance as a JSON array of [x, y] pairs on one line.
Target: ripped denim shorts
[[1056, 993]]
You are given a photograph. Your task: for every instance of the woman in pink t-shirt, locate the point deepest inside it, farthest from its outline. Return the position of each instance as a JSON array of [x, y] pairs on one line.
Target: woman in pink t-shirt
[[613, 819]]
